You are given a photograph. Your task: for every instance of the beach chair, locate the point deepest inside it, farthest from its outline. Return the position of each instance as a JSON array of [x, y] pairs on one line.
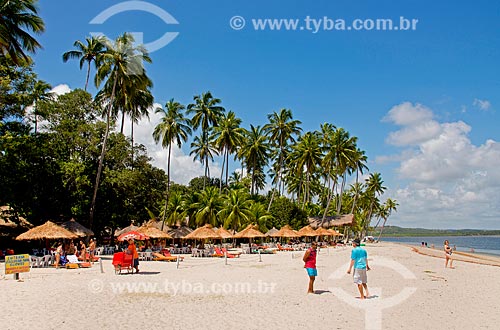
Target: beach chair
[[218, 253], [167, 254], [281, 248], [231, 254], [73, 260]]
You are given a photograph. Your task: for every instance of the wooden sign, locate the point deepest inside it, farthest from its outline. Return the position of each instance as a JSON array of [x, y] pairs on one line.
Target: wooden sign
[[19, 263]]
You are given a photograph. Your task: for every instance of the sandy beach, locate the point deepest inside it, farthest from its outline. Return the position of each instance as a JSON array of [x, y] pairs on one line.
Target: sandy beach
[[409, 290]]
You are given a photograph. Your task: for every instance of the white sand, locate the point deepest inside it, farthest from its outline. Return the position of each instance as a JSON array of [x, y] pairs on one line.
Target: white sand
[[209, 294]]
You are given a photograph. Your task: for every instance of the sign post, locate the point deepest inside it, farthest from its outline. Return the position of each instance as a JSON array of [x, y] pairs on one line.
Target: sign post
[[15, 264]]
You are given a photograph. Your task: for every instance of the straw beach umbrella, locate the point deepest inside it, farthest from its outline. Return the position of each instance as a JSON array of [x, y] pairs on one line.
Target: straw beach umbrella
[[48, 230], [204, 232], [153, 232], [180, 232], [224, 233], [271, 231], [249, 232], [320, 231], [126, 230], [286, 231], [77, 228], [307, 231]]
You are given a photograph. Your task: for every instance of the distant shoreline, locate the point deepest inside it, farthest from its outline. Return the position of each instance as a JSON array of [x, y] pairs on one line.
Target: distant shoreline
[[395, 231]]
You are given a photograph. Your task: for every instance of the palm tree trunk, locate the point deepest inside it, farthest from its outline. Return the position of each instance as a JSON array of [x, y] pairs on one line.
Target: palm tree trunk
[[88, 75], [342, 186], [168, 186], [103, 153], [132, 140], [330, 196], [381, 230], [222, 171]]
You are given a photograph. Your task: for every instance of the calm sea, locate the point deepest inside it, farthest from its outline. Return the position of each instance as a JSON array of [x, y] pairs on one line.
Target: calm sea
[[480, 244]]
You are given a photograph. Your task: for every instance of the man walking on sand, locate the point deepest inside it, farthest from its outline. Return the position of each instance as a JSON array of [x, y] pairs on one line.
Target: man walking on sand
[[310, 265], [359, 259]]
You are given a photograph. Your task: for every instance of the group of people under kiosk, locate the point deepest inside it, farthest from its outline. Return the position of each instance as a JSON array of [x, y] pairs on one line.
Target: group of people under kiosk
[[65, 249]]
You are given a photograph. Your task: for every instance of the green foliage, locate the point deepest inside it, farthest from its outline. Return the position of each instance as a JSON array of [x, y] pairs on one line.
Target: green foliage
[[285, 212]]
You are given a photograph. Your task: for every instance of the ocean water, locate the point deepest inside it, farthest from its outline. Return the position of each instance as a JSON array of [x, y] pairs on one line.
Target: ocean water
[[480, 244]]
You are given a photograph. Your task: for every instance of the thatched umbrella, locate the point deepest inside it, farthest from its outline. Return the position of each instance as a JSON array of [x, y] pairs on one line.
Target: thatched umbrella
[[180, 232], [307, 231], [335, 233], [320, 231], [285, 231], [249, 232], [77, 228], [203, 233], [153, 232], [48, 230], [125, 230], [157, 224], [271, 231], [224, 233]]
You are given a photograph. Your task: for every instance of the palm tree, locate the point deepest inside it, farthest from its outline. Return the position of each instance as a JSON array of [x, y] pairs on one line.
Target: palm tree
[[227, 136], [176, 209], [281, 130], [89, 52], [120, 63], [340, 153], [173, 128], [260, 216], [206, 113], [17, 19], [203, 151], [255, 151], [208, 207], [236, 209], [41, 93], [359, 160], [374, 188], [306, 155], [389, 206]]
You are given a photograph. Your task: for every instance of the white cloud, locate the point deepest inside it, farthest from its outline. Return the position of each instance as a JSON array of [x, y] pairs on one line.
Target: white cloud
[[452, 183], [406, 114], [61, 89], [481, 104], [417, 122], [182, 166]]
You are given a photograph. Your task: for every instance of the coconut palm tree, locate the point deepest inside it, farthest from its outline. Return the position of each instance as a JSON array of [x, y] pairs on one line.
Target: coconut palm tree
[[236, 209], [120, 63], [176, 209], [206, 113], [17, 19], [86, 53], [374, 188], [173, 128], [306, 155], [281, 131], [203, 151], [389, 206], [227, 137], [255, 152], [41, 93], [260, 216], [208, 207]]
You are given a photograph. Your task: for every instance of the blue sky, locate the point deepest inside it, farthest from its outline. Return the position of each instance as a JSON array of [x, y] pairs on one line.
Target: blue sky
[[423, 103]]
